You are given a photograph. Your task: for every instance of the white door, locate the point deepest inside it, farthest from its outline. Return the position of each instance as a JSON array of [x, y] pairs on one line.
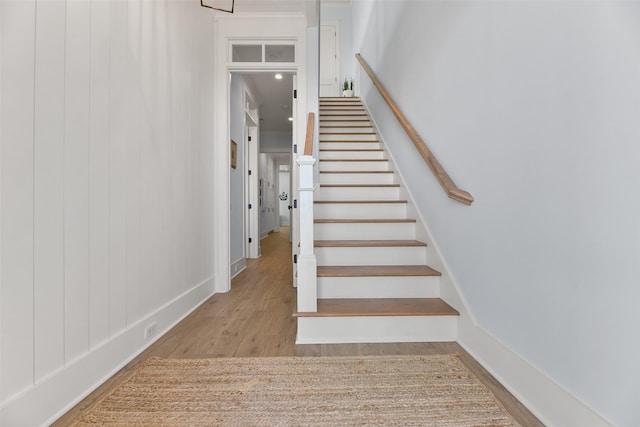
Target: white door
[[329, 69]]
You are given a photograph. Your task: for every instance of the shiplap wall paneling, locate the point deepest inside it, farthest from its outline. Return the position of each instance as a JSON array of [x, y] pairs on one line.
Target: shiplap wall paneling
[[149, 165], [133, 123], [18, 20], [162, 145], [49, 116], [99, 283], [76, 179], [118, 113]]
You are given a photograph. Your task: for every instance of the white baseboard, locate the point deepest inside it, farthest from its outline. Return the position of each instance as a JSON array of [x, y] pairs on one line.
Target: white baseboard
[[48, 400], [238, 266], [547, 400]]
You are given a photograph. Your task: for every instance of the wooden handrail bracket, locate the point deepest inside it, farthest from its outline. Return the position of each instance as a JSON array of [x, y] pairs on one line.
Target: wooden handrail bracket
[[441, 175]]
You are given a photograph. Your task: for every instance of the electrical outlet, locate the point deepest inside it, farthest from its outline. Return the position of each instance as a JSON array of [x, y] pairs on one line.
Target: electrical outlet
[[150, 331]]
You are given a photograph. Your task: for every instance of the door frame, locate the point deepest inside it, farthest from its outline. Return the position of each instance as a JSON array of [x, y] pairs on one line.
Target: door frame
[[251, 134], [260, 29]]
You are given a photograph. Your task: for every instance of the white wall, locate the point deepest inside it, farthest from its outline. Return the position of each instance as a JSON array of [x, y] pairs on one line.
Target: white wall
[[533, 108], [106, 189]]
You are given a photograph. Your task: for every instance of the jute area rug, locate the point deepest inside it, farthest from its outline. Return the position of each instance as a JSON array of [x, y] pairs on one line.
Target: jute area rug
[[301, 391]]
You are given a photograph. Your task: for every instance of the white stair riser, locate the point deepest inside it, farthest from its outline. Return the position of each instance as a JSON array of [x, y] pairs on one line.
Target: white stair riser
[[348, 137], [352, 231], [358, 193], [338, 122], [329, 165], [349, 145], [346, 116], [365, 329], [332, 106], [356, 178], [360, 210], [403, 255], [339, 99], [379, 287], [345, 130], [324, 155]]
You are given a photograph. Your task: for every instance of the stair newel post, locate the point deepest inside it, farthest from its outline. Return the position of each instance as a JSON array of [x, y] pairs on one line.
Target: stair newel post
[[307, 266]]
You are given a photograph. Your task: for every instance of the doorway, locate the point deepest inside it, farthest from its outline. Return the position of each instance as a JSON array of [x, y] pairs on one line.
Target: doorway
[[262, 113], [250, 44]]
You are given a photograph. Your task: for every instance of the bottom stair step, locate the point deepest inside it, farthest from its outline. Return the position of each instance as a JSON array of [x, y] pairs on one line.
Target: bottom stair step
[[381, 307], [378, 321]]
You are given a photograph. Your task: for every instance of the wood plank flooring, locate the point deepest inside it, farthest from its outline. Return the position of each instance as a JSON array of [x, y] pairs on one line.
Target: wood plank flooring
[[255, 319]]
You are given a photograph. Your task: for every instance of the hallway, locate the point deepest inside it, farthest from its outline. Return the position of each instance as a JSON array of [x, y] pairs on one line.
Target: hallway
[[254, 320]]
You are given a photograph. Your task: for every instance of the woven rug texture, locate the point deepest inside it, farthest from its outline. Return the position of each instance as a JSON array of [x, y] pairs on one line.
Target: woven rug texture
[[300, 391]]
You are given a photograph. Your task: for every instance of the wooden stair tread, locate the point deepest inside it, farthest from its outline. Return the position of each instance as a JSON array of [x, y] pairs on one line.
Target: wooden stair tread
[[347, 133], [376, 270], [344, 126], [342, 115], [356, 171], [345, 120], [342, 141], [351, 149], [381, 307], [366, 243], [360, 185], [354, 160], [363, 221], [358, 201]]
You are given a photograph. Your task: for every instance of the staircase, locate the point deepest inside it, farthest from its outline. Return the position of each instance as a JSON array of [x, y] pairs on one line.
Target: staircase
[[374, 284]]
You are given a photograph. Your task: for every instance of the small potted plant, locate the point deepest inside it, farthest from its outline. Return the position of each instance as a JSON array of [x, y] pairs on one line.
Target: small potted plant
[[347, 88]]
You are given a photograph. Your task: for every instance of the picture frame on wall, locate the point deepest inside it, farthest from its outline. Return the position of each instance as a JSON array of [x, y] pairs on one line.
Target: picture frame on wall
[[234, 154]]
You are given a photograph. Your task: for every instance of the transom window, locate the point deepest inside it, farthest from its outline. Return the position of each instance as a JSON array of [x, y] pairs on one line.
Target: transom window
[[268, 52]]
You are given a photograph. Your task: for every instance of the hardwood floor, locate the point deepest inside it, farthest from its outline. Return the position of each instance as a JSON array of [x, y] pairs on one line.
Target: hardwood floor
[[255, 319]]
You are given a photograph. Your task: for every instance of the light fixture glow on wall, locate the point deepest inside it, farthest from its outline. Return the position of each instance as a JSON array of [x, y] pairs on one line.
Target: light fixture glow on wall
[[290, 119], [278, 76]]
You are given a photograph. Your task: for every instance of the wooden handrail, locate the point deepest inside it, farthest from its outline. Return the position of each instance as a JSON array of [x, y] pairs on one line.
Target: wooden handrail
[[308, 142], [441, 175]]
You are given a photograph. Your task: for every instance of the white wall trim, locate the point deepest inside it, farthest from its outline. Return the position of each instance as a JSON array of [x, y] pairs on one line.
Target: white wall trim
[[546, 399], [238, 266], [48, 400]]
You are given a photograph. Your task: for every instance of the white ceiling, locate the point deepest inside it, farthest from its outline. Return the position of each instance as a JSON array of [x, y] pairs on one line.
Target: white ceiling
[[275, 99]]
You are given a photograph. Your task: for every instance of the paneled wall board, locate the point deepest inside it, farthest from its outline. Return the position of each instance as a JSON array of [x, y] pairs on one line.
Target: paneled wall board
[[76, 178], [106, 187], [16, 295], [49, 119], [118, 112], [99, 137]]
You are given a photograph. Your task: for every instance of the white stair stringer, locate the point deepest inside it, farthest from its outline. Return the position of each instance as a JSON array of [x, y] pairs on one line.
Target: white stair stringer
[[367, 243]]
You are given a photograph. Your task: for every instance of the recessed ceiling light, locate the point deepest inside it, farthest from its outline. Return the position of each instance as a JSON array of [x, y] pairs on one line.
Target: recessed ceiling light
[[278, 76], [290, 119]]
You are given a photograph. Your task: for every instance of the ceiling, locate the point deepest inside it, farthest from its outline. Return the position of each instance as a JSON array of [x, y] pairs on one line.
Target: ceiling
[[274, 98]]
